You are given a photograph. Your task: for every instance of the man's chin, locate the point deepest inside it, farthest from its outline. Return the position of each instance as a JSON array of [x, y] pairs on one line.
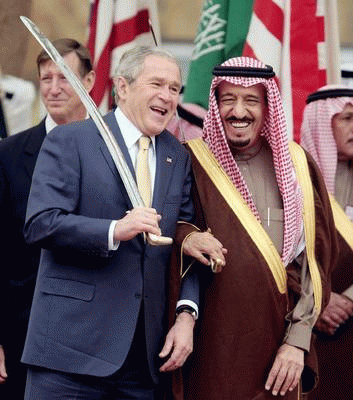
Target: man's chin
[[55, 109], [58, 115], [157, 128], [240, 144]]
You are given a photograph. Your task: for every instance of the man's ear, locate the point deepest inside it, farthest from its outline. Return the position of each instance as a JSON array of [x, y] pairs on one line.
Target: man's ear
[[121, 86], [89, 80]]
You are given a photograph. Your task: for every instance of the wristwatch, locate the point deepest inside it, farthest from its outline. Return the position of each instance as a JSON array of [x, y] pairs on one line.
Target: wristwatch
[[186, 308]]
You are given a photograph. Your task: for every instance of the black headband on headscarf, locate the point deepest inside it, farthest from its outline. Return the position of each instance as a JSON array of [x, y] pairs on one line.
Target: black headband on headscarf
[[189, 116], [330, 93], [249, 72], [346, 74]]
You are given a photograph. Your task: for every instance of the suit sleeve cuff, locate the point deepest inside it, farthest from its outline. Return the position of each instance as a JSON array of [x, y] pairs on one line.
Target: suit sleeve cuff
[[189, 303], [111, 244]]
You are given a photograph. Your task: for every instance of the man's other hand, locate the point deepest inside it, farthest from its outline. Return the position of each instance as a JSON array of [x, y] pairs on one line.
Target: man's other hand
[[3, 374], [204, 247], [178, 343], [286, 370]]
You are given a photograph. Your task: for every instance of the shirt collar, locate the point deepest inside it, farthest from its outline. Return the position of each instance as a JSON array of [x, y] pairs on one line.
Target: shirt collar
[[50, 124], [130, 133]]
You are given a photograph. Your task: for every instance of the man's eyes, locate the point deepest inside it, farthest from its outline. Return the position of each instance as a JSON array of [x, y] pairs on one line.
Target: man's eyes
[[347, 117], [227, 101], [250, 102], [173, 89], [49, 78]]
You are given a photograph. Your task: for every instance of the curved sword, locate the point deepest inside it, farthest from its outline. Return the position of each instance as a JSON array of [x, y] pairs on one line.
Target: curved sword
[[108, 137]]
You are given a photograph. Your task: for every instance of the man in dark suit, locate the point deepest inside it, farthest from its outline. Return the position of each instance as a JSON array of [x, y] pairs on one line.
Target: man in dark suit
[[98, 319], [18, 155]]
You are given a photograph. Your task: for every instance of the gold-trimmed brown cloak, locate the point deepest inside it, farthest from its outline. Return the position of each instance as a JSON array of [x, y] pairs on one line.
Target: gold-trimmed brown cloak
[[242, 322]]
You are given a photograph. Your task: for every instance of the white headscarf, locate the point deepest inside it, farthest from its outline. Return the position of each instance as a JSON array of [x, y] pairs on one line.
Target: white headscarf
[[317, 135]]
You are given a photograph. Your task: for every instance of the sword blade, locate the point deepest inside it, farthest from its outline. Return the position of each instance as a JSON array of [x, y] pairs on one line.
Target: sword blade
[[107, 135]]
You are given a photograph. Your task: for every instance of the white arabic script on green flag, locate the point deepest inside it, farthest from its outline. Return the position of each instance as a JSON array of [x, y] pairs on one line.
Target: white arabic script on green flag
[[221, 35]]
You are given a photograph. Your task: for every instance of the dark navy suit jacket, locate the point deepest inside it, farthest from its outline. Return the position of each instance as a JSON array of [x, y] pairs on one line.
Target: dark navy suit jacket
[[18, 155], [87, 298], [19, 261]]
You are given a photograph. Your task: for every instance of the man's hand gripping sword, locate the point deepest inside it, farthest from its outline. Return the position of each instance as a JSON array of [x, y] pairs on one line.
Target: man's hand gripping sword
[[108, 137]]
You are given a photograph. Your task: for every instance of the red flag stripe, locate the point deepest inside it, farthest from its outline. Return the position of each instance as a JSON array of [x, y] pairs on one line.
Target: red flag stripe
[[305, 59], [125, 31], [122, 32], [93, 29], [304, 46], [102, 78], [248, 51], [321, 28], [271, 15]]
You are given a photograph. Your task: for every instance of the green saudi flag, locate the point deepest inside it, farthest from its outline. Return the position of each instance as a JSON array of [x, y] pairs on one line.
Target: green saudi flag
[[220, 35]]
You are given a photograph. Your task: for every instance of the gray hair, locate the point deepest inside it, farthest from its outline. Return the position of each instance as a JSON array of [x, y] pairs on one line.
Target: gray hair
[[132, 61]]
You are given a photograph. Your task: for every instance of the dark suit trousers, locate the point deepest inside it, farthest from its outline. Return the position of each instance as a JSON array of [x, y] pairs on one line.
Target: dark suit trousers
[[132, 381]]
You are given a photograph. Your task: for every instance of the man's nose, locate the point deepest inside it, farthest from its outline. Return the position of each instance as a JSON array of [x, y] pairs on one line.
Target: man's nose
[[239, 110], [164, 93], [55, 86]]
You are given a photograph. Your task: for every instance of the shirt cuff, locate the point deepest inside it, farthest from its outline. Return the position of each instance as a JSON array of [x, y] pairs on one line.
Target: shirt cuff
[[189, 303], [111, 244], [299, 335], [349, 293]]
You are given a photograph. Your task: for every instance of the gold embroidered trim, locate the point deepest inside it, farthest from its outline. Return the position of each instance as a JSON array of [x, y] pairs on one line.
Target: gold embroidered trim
[[342, 222], [236, 202], [182, 274], [303, 175]]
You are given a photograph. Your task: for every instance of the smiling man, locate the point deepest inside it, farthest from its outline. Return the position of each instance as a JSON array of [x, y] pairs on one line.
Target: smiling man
[[97, 323], [242, 110], [18, 155], [253, 341], [327, 133], [60, 99]]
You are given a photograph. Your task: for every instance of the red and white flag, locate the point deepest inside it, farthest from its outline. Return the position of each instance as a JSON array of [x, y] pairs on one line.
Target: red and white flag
[[299, 38], [114, 27]]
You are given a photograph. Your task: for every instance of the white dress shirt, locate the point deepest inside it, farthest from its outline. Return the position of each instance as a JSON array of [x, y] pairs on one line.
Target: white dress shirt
[[131, 136]]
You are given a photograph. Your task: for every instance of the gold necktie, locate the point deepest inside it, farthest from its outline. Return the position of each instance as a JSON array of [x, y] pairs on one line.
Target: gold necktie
[[143, 171]]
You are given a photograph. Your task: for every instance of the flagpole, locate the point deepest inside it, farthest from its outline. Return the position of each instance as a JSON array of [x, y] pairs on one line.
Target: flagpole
[[333, 56], [152, 31]]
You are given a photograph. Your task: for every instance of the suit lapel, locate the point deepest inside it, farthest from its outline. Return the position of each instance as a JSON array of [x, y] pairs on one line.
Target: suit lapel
[[32, 147], [166, 160], [114, 127]]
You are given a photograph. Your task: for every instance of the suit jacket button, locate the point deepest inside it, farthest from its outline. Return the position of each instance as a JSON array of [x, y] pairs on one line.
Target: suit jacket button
[[138, 295]]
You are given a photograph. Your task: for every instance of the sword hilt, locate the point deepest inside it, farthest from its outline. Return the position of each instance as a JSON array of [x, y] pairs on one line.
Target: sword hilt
[[155, 240]]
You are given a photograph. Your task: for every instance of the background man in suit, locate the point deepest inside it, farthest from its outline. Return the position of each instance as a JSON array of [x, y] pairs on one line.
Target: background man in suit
[[18, 155], [98, 317]]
